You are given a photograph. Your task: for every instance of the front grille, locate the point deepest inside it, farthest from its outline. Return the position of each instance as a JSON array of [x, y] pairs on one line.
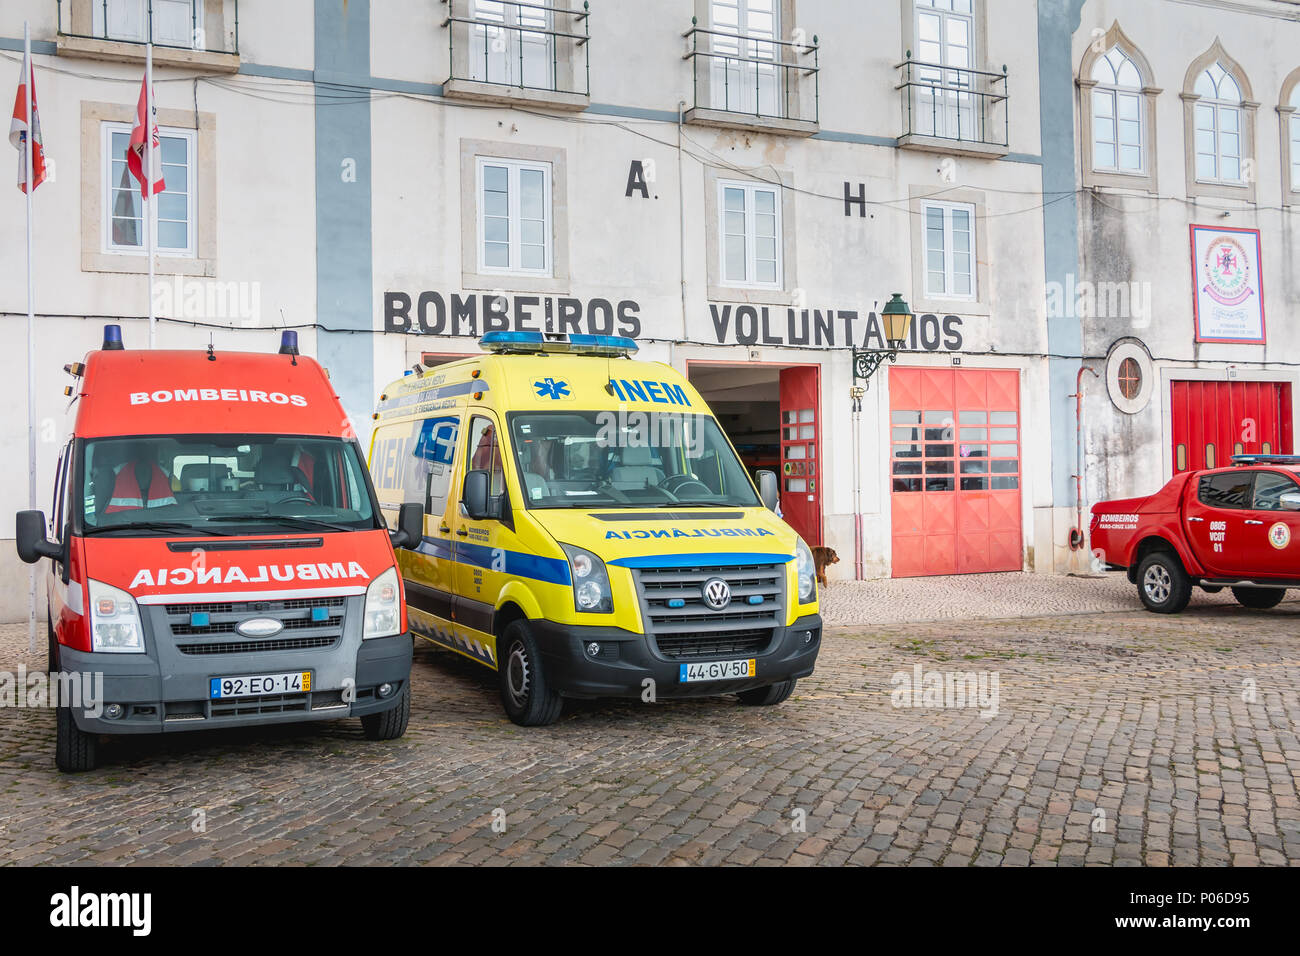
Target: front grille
[[266, 704], [248, 647], [220, 635], [694, 630]]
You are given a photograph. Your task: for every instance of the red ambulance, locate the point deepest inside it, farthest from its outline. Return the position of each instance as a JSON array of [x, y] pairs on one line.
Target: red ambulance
[[218, 558]]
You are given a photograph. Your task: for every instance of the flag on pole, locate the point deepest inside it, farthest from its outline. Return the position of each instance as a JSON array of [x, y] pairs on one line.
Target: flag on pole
[[19, 128], [135, 150]]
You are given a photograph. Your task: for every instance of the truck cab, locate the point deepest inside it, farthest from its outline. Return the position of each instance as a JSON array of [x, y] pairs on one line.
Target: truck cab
[[589, 529], [217, 555], [1235, 527]]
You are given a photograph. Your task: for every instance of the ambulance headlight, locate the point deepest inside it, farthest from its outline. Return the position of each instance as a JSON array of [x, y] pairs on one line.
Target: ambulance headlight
[[383, 610], [591, 592], [114, 621], [805, 571]]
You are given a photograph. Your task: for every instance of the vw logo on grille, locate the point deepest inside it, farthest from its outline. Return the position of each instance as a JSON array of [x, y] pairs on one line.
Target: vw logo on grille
[[716, 593], [259, 627]]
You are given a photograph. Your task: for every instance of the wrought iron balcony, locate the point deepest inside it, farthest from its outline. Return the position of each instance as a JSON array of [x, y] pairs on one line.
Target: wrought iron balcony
[[750, 81], [519, 50], [953, 109], [183, 31]]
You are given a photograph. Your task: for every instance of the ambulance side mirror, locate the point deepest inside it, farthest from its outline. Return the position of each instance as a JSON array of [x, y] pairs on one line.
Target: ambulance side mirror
[[769, 489], [1290, 501], [475, 495], [29, 536], [410, 526]]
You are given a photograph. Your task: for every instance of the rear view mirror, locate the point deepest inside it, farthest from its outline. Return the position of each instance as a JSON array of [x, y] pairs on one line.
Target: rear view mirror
[[410, 526], [1290, 501], [29, 537], [769, 489], [475, 495]]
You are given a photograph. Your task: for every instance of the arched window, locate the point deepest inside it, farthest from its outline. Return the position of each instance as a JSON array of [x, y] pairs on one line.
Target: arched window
[[1117, 114], [1219, 126], [1295, 139], [1117, 134]]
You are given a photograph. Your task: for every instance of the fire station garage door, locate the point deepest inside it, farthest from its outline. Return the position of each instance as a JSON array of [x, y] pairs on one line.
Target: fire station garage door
[[955, 471], [1212, 421]]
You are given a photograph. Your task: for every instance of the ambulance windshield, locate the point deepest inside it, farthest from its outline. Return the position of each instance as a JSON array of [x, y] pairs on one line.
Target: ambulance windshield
[[611, 459], [224, 484]]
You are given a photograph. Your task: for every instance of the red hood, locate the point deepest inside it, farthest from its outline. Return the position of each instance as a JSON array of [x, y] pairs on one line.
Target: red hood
[[341, 563]]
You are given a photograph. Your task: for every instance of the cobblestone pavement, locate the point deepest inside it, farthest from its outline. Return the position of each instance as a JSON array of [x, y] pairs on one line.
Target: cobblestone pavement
[[1180, 730]]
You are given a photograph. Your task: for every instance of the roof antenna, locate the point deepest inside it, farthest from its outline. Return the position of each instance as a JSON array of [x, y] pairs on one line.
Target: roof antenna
[[211, 357]]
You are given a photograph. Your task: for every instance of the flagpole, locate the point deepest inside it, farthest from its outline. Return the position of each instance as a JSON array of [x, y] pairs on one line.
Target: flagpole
[[150, 202], [29, 167]]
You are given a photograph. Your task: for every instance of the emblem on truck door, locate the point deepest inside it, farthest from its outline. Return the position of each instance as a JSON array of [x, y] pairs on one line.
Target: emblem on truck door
[[259, 627], [716, 593]]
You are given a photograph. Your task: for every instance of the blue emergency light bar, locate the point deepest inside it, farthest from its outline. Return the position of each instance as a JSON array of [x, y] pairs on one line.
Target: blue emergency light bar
[[533, 342], [1266, 459], [288, 342], [112, 339]]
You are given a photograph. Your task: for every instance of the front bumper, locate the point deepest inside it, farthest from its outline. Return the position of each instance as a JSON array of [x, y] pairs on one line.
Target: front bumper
[[628, 659], [161, 699]]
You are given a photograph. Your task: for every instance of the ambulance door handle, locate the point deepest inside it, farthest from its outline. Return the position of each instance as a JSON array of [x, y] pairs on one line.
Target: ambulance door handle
[[444, 529], [462, 532]]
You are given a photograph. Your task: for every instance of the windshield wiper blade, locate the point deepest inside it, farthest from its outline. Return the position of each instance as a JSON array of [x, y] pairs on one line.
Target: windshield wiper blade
[[165, 527], [304, 522]]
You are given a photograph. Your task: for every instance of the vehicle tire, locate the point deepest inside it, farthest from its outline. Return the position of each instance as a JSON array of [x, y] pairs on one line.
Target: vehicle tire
[[1162, 583], [1260, 599], [75, 751], [391, 723], [525, 693], [767, 696]]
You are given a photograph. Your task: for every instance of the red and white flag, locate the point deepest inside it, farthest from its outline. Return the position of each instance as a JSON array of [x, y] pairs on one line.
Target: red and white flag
[[19, 128], [135, 149]]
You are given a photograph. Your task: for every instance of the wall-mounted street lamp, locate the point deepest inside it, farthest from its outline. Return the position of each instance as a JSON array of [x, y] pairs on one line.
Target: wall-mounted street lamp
[[897, 317]]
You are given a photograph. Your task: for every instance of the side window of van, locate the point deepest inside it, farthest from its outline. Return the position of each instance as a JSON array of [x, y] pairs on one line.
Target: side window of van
[[436, 448], [59, 510], [485, 453]]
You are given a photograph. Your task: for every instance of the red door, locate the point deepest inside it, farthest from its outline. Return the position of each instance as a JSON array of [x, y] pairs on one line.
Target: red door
[[1217, 510], [1272, 534], [801, 499], [1212, 421], [955, 471]]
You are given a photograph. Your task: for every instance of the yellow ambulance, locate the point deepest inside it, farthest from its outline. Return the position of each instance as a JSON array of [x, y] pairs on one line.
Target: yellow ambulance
[[589, 530]]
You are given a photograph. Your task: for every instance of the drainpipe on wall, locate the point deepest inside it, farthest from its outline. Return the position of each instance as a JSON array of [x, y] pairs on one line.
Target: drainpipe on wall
[[1078, 537], [856, 392], [681, 213]]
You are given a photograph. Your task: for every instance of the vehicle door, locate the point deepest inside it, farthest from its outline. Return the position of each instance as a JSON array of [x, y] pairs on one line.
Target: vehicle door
[[1215, 516], [481, 545], [431, 580], [1272, 530]]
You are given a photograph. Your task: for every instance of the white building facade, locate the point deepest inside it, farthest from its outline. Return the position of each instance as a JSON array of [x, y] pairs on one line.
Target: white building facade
[[740, 185]]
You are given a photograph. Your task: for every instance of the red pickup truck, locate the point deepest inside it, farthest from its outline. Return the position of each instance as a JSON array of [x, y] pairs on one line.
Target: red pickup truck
[[1235, 527]]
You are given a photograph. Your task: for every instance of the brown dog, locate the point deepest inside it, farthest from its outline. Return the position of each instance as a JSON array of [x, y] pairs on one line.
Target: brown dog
[[821, 558]]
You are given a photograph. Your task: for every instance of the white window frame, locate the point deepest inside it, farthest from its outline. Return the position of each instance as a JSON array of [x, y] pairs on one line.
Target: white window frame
[[740, 41], [1114, 92], [511, 23], [1217, 108], [751, 240], [100, 29], [956, 96], [1295, 141], [949, 253], [513, 167], [107, 185]]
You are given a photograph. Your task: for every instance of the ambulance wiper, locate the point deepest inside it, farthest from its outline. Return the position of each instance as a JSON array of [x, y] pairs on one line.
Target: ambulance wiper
[[163, 527], [299, 521]]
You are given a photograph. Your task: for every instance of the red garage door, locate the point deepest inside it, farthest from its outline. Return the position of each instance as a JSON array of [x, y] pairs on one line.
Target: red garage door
[[955, 471], [1212, 421]]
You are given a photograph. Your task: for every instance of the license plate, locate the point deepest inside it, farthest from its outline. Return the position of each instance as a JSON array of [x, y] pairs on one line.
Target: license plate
[[299, 682], [718, 670]]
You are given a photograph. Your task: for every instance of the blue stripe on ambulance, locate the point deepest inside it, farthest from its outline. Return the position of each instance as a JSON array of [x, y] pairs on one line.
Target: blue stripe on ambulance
[[520, 564]]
